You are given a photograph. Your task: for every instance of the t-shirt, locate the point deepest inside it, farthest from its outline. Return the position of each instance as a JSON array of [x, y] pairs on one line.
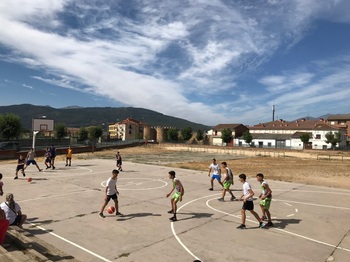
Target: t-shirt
[[111, 184], [215, 168], [69, 153], [264, 192], [246, 187], [10, 215], [31, 155]]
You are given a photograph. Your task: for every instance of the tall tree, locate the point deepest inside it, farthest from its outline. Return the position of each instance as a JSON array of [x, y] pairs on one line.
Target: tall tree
[[95, 132], [83, 134], [226, 135], [10, 126], [172, 134], [200, 135], [186, 133], [248, 137], [333, 138], [305, 139], [60, 130]]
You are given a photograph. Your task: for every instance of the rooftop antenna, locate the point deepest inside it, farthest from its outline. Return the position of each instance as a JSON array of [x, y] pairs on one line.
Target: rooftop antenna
[[273, 113]]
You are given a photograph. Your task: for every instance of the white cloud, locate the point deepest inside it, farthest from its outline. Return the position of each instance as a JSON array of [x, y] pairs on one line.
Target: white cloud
[[157, 54]]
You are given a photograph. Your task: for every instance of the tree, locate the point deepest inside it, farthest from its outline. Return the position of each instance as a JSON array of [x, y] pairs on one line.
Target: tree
[[10, 126], [172, 134], [248, 137], [333, 138], [200, 135], [305, 139], [186, 133], [83, 134], [226, 136], [60, 130], [95, 132]]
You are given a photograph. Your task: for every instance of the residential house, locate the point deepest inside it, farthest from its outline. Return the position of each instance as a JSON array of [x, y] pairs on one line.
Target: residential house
[[216, 132], [127, 129], [283, 134], [341, 120]]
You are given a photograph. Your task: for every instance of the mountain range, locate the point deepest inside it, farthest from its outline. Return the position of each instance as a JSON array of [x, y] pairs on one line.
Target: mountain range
[[75, 116]]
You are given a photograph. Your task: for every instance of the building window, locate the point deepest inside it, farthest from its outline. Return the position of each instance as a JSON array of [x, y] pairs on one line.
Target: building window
[[129, 132], [318, 136]]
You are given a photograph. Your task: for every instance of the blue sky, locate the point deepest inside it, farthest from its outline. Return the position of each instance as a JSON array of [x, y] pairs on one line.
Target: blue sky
[[206, 61]]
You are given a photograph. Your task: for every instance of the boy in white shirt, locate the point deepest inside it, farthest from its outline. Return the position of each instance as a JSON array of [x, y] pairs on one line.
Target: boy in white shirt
[[215, 168], [248, 202]]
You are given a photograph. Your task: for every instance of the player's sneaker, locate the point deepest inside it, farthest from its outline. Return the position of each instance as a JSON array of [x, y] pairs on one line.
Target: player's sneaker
[[233, 198], [211, 189], [24, 174], [173, 219], [118, 214], [40, 170], [170, 212], [241, 227], [16, 177], [221, 199], [101, 215], [262, 225]]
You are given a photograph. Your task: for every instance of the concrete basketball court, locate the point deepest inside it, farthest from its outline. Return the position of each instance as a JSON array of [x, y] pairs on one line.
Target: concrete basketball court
[[311, 223]]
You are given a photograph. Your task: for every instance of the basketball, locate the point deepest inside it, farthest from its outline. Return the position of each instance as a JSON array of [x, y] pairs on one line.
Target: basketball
[[111, 209], [29, 179]]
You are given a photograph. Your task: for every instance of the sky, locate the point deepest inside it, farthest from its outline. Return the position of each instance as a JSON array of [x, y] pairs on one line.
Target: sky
[[206, 61]]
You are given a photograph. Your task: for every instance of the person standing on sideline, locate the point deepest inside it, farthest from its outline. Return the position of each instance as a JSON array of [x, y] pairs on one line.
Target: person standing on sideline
[[248, 204], [119, 163], [4, 225], [227, 182], [47, 156], [20, 166], [216, 174], [111, 192], [265, 196], [53, 156], [13, 211], [30, 159], [179, 192], [1, 185], [69, 157]]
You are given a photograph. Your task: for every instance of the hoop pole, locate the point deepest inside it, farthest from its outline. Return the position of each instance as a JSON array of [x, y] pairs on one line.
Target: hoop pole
[[34, 136]]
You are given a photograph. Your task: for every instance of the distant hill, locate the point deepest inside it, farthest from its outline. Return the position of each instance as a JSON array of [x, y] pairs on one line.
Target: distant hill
[[95, 116]]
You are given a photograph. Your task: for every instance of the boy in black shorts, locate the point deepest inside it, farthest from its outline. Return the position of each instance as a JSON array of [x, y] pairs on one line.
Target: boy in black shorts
[[111, 192], [20, 166], [248, 202]]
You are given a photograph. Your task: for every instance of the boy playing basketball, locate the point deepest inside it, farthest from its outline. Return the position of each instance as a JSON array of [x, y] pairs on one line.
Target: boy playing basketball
[[265, 196], [179, 192], [227, 182], [111, 193], [248, 202]]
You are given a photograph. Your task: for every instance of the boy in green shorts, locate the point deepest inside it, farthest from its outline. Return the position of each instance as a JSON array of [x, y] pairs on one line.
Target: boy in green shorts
[[265, 196], [179, 192], [227, 182]]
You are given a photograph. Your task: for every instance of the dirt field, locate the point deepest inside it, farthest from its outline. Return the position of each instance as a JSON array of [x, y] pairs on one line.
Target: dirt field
[[332, 173]]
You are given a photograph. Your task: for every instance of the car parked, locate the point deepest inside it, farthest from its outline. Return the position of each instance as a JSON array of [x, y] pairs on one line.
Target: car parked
[[10, 146]]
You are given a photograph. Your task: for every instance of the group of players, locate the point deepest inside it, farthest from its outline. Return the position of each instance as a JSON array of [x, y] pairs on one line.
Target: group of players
[[50, 155], [247, 196], [265, 197]]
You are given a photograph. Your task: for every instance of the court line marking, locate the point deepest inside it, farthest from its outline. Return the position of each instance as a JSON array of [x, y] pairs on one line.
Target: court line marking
[[285, 231], [72, 243], [282, 230], [311, 204]]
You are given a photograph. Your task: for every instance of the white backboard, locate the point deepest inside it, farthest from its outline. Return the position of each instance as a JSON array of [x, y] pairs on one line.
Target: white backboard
[[42, 124]]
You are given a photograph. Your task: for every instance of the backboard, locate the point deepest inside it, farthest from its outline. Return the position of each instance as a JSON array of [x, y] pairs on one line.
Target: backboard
[[42, 124]]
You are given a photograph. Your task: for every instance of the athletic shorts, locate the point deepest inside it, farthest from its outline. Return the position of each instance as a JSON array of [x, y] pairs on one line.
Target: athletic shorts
[[69, 158], [248, 205], [227, 185], [176, 196], [109, 197], [47, 160], [19, 167], [217, 177], [265, 203], [31, 162], [17, 220]]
